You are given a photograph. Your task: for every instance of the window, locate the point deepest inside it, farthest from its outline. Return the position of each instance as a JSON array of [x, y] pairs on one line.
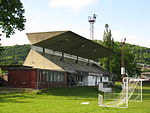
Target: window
[[105, 78], [55, 77], [62, 77], [43, 72], [40, 76], [47, 76], [51, 76], [59, 77]]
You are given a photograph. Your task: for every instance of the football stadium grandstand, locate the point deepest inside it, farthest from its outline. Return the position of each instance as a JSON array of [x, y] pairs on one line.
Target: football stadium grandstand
[[60, 58]]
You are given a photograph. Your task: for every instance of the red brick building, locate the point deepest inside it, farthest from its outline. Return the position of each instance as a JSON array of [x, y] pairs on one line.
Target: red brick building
[[35, 78]]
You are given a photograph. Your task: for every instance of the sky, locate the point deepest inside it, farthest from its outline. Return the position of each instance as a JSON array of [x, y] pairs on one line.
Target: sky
[[128, 19]]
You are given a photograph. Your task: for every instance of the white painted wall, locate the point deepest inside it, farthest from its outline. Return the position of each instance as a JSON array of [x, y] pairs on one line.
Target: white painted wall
[[88, 80], [91, 80], [98, 79], [105, 79]]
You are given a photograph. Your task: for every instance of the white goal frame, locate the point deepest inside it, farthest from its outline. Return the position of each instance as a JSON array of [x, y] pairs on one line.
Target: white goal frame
[[129, 87]]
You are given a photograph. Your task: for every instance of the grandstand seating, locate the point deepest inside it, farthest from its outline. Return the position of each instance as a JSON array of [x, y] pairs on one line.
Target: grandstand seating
[[71, 64]]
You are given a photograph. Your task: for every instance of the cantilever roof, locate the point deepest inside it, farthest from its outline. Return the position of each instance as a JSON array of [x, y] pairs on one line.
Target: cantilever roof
[[69, 42]]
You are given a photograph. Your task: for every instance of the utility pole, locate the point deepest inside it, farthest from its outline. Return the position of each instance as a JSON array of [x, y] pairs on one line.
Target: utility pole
[[92, 20], [123, 71], [0, 36]]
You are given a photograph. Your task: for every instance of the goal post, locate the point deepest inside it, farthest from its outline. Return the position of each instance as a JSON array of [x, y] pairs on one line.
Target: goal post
[[131, 91], [137, 95], [100, 99]]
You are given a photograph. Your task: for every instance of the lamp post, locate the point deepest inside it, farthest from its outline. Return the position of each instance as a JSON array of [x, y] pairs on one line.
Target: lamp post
[[0, 36], [123, 71]]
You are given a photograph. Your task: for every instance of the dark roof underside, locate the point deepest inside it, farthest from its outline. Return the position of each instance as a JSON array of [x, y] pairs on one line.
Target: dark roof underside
[[71, 43]]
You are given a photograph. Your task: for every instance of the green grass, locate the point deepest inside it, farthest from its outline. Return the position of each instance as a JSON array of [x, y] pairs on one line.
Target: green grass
[[66, 100]]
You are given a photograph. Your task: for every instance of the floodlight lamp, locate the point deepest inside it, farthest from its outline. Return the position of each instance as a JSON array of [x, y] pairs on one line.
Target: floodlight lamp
[[94, 16]]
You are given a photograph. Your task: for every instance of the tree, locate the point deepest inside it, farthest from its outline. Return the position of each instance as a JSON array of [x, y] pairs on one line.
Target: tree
[[11, 16], [113, 63], [1, 49], [130, 63], [108, 42]]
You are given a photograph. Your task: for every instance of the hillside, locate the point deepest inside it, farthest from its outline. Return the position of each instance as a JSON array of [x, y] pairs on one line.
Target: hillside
[[15, 55], [142, 54]]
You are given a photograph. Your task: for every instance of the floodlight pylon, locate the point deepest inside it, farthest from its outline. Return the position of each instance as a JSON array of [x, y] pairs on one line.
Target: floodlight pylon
[[92, 20]]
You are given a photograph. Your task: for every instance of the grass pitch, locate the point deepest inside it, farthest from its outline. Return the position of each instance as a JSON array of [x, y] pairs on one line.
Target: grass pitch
[[66, 100]]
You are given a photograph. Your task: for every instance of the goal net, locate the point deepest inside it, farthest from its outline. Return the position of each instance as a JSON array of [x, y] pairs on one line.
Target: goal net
[[131, 91]]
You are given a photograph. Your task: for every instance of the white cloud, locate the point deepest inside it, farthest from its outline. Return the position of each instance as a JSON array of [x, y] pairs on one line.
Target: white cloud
[[71, 5]]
